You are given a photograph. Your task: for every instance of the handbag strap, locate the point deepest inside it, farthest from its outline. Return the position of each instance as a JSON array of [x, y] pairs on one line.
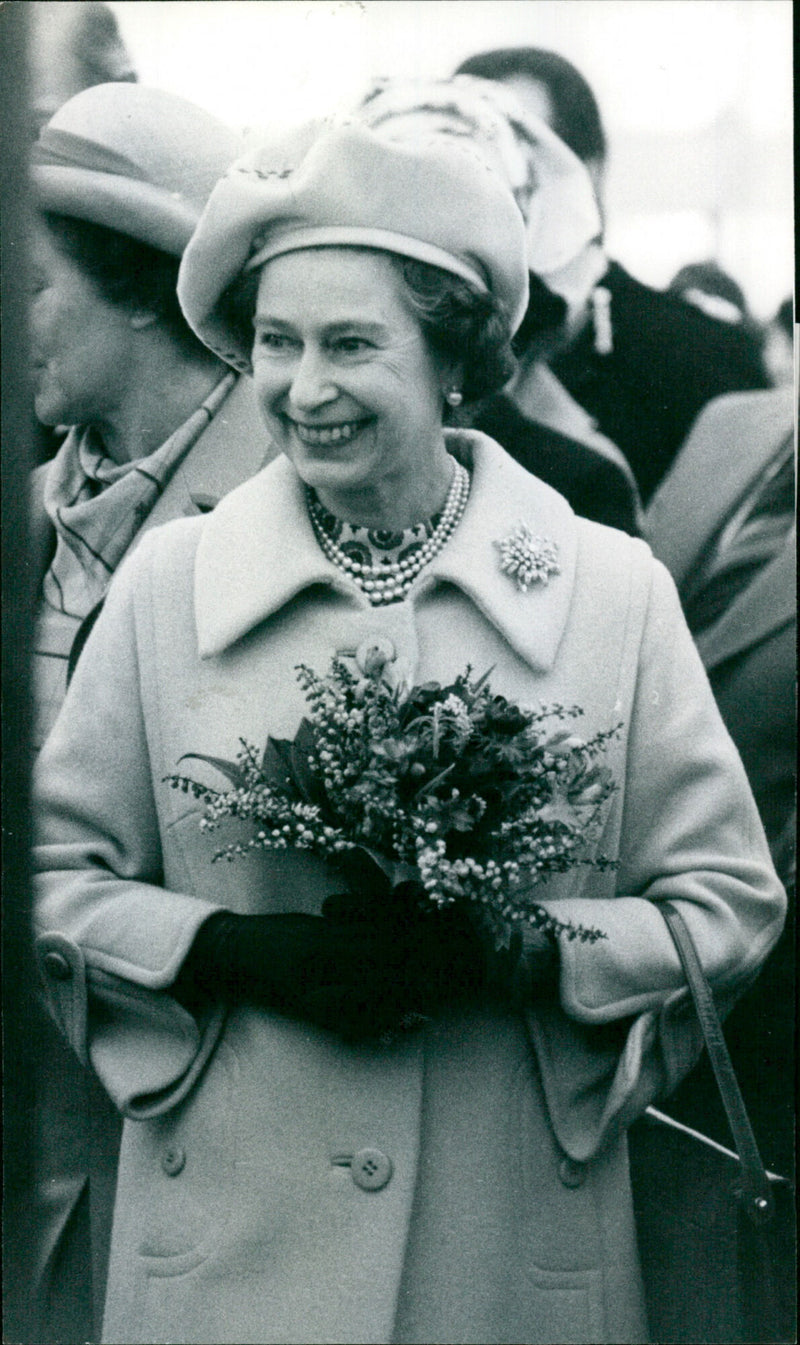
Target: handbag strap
[[756, 1195]]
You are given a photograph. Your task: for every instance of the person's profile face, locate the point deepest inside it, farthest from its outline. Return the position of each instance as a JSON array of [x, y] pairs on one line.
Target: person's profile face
[[80, 343]]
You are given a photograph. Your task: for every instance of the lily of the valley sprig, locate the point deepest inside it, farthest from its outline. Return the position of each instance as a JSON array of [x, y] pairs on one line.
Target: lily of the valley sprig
[[452, 792]]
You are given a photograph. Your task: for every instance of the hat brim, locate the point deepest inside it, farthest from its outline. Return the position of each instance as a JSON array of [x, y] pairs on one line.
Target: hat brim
[[384, 240], [129, 206]]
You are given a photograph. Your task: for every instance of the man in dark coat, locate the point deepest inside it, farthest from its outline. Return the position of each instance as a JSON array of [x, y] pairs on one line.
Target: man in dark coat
[[732, 552], [666, 362], [641, 361]]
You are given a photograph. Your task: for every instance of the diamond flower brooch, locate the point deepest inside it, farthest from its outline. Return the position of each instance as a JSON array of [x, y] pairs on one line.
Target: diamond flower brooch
[[527, 559]]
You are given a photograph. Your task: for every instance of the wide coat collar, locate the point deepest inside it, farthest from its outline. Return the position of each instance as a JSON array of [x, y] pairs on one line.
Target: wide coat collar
[[258, 552]]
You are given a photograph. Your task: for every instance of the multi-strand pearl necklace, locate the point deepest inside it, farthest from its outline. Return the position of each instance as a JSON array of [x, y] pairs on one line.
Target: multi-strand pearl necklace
[[391, 581]]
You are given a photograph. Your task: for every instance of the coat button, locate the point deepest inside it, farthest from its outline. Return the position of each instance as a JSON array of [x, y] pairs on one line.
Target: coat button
[[571, 1173], [173, 1160], [373, 654], [57, 966], [371, 1169]]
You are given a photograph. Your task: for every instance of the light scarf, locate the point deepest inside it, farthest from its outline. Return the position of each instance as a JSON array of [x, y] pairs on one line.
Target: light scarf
[[97, 507]]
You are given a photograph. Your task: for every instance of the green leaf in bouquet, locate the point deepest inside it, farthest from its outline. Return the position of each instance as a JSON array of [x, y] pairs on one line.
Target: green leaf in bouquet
[[369, 870], [230, 769], [276, 763], [302, 755]]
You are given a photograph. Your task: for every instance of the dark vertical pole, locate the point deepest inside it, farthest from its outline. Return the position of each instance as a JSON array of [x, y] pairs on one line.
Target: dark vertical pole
[[15, 464]]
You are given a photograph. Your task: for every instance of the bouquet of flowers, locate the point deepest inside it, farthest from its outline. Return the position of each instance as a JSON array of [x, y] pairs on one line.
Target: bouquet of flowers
[[453, 790]]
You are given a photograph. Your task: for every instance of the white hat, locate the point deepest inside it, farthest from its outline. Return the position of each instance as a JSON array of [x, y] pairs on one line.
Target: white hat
[[134, 159], [436, 202]]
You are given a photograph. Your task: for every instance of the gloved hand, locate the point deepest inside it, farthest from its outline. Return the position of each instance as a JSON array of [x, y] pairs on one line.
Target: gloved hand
[[345, 976], [362, 968], [450, 963]]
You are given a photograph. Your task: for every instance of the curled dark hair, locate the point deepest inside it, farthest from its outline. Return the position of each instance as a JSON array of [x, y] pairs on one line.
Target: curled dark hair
[[462, 327], [126, 272], [576, 115], [236, 308]]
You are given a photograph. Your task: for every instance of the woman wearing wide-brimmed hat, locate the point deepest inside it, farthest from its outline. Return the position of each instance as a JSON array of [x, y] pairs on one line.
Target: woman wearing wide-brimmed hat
[[289, 1172], [157, 427]]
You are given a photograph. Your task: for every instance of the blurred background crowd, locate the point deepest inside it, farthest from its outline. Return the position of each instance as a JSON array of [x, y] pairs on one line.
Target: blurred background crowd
[[657, 363]]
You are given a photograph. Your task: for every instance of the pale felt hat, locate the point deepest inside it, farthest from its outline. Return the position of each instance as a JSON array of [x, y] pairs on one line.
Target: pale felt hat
[[135, 159], [343, 185]]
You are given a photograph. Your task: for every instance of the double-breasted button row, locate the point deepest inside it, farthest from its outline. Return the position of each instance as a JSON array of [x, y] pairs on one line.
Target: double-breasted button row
[[173, 1160], [370, 1169], [571, 1173]]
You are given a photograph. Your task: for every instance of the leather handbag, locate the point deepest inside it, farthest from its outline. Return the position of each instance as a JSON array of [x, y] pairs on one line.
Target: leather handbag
[[716, 1231]]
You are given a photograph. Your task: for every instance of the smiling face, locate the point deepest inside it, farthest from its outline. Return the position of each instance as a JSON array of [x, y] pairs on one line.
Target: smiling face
[[348, 386], [80, 343]]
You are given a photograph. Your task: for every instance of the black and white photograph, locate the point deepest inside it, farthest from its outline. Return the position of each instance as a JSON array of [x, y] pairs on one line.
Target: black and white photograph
[[399, 424]]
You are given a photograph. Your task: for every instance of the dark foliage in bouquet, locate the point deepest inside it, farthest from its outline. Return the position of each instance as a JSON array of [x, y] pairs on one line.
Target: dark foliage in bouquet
[[452, 793]]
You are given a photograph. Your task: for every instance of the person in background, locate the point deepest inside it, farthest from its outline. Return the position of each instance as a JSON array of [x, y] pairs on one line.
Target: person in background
[[552, 89], [723, 521], [716, 293], [160, 428], [533, 417], [349, 1118], [73, 44], [712, 290], [642, 361]]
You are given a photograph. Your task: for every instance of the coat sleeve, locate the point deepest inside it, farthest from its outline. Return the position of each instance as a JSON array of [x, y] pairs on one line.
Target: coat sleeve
[[106, 949], [624, 1030]]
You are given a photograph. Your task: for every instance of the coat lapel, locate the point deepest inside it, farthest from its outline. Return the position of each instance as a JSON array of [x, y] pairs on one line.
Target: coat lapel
[[258, 552], [502, 496]]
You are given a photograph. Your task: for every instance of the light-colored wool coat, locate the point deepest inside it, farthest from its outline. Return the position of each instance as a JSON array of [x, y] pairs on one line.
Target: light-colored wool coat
[[507, 1216]]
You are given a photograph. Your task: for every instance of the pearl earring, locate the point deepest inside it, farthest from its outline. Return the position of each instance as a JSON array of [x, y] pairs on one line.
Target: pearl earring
[[454, 397]]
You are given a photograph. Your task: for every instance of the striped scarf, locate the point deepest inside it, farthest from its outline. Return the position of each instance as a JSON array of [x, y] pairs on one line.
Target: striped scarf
[[98, 506]]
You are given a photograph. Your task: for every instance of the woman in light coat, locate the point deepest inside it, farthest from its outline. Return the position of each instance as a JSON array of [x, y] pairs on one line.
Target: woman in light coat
[[282, 1179], [120, 175], [158, 428]]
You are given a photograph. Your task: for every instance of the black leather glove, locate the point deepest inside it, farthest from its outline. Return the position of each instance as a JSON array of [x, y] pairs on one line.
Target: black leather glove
[[450, 963], [343, 975], [366, 966]]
